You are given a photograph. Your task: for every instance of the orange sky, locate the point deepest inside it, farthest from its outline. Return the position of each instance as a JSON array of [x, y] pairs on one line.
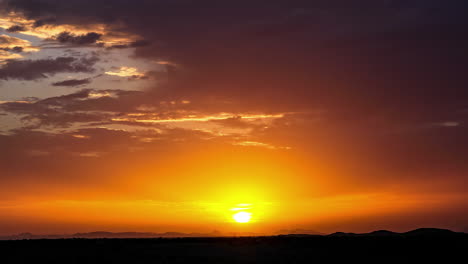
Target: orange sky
[[196, 190], [146, 117]]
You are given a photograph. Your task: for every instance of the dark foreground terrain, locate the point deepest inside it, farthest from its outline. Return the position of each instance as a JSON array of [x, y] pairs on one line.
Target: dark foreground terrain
[[419, 246]]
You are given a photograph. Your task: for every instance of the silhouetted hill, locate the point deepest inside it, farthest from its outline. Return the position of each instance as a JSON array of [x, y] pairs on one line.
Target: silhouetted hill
[[433, 232], [342, 234], [383, 233]]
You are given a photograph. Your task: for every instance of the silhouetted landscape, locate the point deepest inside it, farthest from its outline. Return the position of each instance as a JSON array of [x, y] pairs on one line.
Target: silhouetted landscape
[[417, 246], [104, 234]]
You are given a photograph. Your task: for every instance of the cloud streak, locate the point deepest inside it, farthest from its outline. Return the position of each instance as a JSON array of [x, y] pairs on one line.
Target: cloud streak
[[40, 69], [73, 82]]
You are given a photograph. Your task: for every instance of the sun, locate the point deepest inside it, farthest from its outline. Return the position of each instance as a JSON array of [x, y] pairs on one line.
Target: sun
[[242, 217]]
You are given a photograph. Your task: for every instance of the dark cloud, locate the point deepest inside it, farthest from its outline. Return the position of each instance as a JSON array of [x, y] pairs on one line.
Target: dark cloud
[[80, 107], [85, 39], [73, 82], [16, 28], [39, 69], [44, 106], [16, 49], [42, 22]]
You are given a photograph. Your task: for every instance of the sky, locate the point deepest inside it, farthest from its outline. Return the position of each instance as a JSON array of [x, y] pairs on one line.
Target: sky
[[174, 115]]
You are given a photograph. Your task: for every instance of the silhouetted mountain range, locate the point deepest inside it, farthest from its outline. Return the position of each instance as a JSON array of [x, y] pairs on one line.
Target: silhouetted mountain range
[[430, 232], [104, 234]]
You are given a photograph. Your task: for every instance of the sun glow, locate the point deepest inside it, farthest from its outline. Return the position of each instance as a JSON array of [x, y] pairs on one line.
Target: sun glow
[[242, 217]]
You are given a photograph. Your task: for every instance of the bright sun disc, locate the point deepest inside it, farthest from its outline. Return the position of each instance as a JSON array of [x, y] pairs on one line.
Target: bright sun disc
[[242, 217]]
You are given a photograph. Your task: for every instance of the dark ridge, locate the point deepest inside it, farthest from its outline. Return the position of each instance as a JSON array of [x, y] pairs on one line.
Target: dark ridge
[[383, 233], [342, 234], [300, 235], [432, 232]]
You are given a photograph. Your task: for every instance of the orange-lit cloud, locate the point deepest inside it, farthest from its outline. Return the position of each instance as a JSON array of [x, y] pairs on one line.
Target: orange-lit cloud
[[126, 72], [9, 42], [257, 144], [80, 136], [11, 47], [4, 55], [99, 94], [193, 118], [50, 31]]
